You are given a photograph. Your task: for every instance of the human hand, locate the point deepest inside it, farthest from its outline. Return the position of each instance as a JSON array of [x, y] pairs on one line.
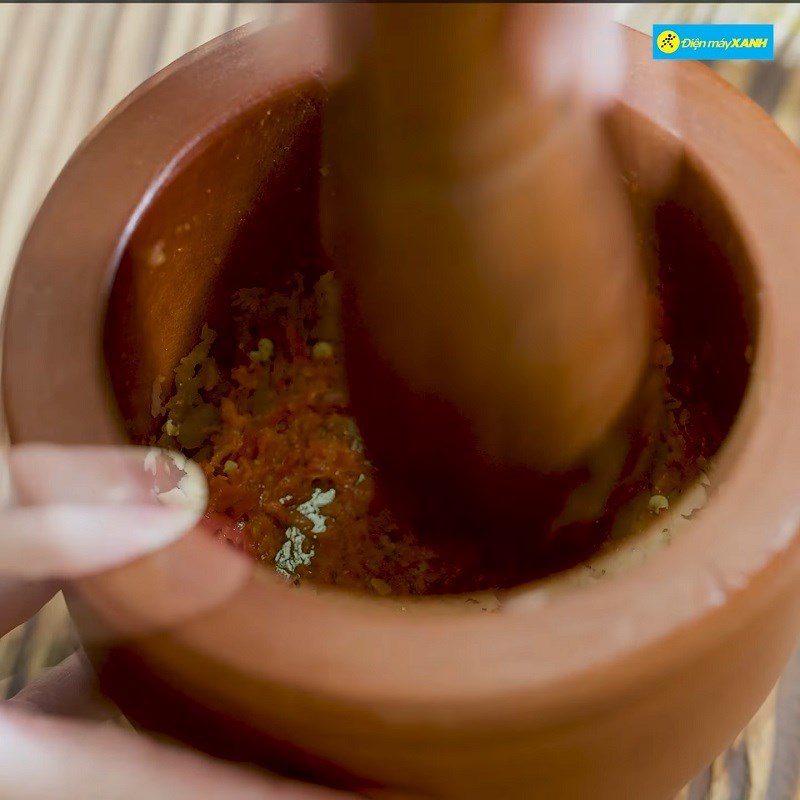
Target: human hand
[[69, 512]]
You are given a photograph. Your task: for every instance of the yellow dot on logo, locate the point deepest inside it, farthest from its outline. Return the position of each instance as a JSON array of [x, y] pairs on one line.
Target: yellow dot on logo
[[668, 41]]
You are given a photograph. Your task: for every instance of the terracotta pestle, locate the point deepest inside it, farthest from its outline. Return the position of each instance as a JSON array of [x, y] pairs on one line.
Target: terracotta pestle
[[496, 313]]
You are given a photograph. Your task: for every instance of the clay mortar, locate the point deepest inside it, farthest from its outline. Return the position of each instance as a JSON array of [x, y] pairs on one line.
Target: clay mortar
[[622, 688]]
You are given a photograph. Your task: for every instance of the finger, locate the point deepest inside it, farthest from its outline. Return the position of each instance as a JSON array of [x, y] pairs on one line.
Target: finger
[[44, 758], [76, 511], [70, 541], [20, 600], [42, 474], [67, 690]]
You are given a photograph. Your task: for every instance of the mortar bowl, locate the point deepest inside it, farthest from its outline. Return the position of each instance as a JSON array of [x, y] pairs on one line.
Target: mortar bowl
[[619, 687]]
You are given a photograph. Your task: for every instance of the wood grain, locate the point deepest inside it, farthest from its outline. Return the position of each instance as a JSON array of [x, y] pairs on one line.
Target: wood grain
[[62, 67]]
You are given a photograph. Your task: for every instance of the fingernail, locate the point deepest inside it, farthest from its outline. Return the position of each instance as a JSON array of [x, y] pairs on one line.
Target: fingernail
[[185, 486]]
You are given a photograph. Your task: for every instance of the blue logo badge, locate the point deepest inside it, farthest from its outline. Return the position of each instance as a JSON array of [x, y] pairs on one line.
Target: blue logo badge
[[718, 42]]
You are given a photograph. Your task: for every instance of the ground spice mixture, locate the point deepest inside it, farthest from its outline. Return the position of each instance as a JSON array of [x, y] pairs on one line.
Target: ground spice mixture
[[290, 482], [285, 464]]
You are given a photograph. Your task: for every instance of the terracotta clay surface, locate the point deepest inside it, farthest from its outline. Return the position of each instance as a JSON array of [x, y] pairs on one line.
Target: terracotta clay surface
[[620, 689]]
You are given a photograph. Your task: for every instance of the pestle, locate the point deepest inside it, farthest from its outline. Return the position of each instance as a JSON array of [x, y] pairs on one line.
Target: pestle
[[495, 309]]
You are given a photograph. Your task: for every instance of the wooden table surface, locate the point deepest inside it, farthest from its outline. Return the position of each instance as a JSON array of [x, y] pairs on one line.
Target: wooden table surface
[[64, 66]]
